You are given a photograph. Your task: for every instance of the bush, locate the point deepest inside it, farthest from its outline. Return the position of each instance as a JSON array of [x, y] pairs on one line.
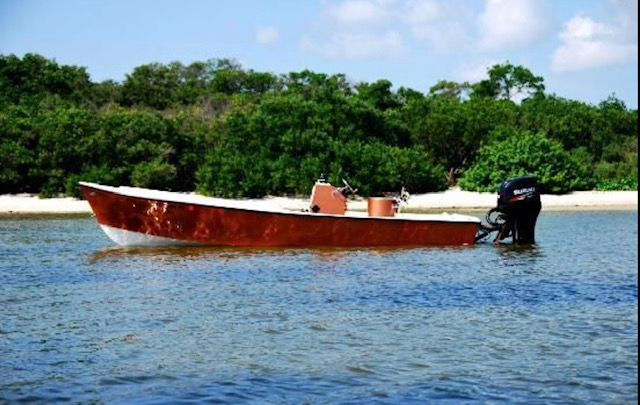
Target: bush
[[237, 132], [373, 168], [61, 147], [527, 154], [15, 161], [231, 174], [154, 174], [282, 145], [92, 174], [611, 171], [376, 168], [628, 184]]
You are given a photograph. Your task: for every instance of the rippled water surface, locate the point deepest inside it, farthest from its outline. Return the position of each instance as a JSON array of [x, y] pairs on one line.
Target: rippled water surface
[[557, 323]]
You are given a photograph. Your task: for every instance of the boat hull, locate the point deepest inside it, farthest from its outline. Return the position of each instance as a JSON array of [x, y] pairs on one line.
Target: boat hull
[[139, 221]]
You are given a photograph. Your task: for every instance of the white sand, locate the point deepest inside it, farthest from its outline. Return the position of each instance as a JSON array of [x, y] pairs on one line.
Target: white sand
[[31, 204], [453, 199], [457, 199]]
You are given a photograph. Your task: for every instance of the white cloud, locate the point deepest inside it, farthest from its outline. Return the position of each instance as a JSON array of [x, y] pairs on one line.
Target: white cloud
[[627, 19], [421, 14], [506, 24], [267, 35], [357, 45], [474, 72], [588, 44], [581, 28], [357, 29], [360, 11], [443, 24], [364, 28]]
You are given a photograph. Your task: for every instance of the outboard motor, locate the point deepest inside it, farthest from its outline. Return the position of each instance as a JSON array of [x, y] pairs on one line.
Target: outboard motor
[[517, 212]]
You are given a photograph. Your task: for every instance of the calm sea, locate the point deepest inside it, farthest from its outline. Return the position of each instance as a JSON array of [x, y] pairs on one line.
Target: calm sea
[[82, 321]]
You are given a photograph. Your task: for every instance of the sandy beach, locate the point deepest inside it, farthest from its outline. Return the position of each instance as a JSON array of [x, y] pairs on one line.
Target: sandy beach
[[453, 199]]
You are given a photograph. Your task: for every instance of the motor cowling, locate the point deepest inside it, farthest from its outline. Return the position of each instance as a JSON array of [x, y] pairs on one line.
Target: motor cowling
[[519, 206]]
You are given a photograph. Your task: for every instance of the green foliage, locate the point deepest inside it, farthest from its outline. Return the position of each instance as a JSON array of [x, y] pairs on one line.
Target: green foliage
[[373, 168], [152, 85], [625, 184], [571, 122], [376, 168], [17, 151], [619, 170], [282, 145], [378, 95], [154, 174], [159, 86], [60, 147], [452, 131], [15, 161], [508, 81], [450, 89], [31, 78], [238, 132], [527, 154], [91, 174]]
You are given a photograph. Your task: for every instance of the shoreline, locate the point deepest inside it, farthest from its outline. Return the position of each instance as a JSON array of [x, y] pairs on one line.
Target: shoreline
[[452, 199]]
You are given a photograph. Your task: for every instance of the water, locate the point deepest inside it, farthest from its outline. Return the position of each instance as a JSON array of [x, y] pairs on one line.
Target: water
[[557, 323]]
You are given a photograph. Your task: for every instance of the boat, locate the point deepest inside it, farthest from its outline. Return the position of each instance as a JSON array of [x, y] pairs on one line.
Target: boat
[[142, 217]]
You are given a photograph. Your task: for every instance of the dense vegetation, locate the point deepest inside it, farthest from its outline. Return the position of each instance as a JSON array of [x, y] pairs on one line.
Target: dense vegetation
[[218, 128]]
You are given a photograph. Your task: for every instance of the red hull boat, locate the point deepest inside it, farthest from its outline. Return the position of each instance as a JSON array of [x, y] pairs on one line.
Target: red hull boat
[[141, 217]]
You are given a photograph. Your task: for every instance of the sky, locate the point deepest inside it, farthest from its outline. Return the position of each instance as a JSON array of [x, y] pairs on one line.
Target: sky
[[585, 49]]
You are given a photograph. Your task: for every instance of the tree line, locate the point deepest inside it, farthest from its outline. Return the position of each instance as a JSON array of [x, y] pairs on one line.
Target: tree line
[[223, 130]]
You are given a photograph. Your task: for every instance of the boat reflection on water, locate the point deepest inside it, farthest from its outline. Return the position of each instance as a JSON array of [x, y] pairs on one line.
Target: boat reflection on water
[[182, 253], [178, 253], [519, 251], [519, 260]]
